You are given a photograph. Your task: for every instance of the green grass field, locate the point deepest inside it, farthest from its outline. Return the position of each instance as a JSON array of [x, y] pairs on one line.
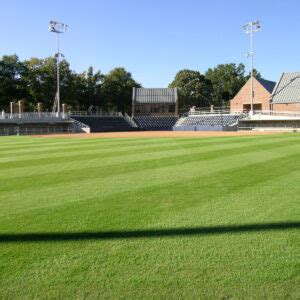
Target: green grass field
[[150, 218]]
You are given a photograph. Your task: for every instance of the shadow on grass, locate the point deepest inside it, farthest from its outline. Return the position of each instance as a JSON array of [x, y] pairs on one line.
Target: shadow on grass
[[146, 233]]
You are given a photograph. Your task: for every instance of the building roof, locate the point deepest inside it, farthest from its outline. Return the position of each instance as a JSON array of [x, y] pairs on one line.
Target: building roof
[[287, 89], [168, 95], [267, 84]]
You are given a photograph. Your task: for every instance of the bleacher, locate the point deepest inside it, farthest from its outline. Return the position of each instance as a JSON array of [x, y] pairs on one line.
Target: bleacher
[[28, 118], [155, 122], [105, 123], [34, 123], [211, 120]]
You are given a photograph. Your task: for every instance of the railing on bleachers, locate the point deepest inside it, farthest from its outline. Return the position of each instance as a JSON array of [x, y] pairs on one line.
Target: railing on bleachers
[[208, 112], [33, 117], [210, 120], [95, 113], [130, 121], [273, 113]]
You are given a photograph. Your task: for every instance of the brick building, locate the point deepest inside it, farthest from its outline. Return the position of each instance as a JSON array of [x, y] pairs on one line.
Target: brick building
[[261, 100], [286, 95]]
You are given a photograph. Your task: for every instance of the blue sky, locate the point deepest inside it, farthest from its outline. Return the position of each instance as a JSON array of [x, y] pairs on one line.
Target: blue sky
[[154, 39]]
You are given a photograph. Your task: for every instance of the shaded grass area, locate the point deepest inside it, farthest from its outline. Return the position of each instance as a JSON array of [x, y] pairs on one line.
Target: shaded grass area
[[153, 218], [73, 236]]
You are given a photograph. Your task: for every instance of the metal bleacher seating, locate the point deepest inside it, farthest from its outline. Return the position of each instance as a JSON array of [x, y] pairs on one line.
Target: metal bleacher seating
[[155, 122], [211, 120], [105, 123]]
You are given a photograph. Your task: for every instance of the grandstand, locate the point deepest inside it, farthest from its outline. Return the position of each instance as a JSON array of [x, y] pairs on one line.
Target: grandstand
[[211, 120], [196, 120], [35, 123], [155, 122], [105, 123], [208, 120], [48, 123]]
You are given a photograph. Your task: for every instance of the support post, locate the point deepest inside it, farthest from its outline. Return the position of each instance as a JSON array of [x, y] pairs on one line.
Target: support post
[[21, 106], [12, 107], [40, 107], [58, 91], [64, 108], [133, 101], [251, 54], [176, 102]]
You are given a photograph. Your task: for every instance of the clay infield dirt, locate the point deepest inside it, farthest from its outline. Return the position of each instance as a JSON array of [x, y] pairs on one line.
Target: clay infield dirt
[[158, 134]]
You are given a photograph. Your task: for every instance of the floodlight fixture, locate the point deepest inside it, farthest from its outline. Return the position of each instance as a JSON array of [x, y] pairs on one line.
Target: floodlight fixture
[[57, 27], [252, 27]]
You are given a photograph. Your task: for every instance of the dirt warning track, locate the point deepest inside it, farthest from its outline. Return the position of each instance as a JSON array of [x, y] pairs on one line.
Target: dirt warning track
[[158, 134]]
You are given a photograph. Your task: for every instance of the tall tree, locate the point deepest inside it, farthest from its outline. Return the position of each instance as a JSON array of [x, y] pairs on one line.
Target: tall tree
[[12, 86], [40, 78], [117, 90], [256, 74], [193, 89], [227, 80], [93, 87]]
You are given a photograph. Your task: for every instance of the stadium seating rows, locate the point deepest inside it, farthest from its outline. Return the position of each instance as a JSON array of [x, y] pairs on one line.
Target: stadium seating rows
[[119, 123], [105, 123], [211, 120], [155, 123]]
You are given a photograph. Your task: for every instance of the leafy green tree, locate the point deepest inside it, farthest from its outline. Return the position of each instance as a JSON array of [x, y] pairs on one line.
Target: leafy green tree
[[256, 74], [93, 87], [12, 85], [35, 81], [117, 90], [40, 78], [78, 99], [227, 80], [193, 89]]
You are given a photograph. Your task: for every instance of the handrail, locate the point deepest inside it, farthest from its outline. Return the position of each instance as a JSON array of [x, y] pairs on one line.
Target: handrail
[[33, 115], [130, 120], [208, 112], [78, 123], [277, 113], [95, 113]]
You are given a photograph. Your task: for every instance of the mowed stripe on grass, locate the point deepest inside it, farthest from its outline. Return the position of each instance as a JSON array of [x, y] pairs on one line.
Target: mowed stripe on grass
[[95, 186]]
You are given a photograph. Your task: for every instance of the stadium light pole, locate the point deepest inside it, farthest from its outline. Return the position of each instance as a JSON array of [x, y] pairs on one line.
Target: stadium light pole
[[250, 28], [58, 28]]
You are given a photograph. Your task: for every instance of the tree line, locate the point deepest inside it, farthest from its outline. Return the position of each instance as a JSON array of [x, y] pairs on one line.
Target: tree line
[[34, 81]]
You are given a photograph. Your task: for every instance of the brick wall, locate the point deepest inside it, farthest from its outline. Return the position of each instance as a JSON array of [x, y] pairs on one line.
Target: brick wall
[[261, 96], [290, 107]]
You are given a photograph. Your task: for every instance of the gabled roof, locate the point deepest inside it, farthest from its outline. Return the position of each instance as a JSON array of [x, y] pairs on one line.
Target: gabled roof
[[287, 89], [168, 95], [267, 84]]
